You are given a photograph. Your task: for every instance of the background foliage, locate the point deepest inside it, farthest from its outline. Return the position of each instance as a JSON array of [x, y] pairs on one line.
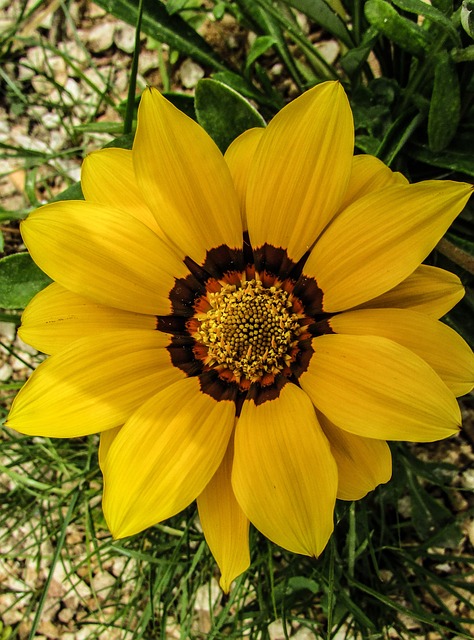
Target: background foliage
[[407, 67]]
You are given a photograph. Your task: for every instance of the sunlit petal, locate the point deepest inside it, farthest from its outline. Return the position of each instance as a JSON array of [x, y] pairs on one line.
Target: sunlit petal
[[441, 347], [184, 179], [108, 177], [180, 437], [362, 463], [56, 317], [300, 170], [429, 290], [129, 267], [369, 174], [284, 475], [373, 387], [225, 526], [94, 384], [380, 240], [238, 157]]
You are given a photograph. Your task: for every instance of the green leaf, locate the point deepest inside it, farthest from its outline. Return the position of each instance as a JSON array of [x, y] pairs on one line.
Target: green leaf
[[467, 17], [160, 25], [223, 112], [445, 6], [423, 9], [463, 55], [240, 85], [74, 192], [258, 48], [20, 280], [445, 106], [352, 61], [122, 142], [271, 24], [181, 101], [427, 512], [453, 159], [403, 32], [325, 16]]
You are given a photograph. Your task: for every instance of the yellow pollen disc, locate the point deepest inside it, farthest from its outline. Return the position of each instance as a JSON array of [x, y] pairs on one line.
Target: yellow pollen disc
[[249, 329]]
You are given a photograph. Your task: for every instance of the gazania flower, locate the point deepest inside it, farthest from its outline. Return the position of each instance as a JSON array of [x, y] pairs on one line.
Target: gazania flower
[[245, 330]]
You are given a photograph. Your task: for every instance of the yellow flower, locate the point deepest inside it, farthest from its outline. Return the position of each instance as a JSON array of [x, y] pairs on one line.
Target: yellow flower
[[245, 330]]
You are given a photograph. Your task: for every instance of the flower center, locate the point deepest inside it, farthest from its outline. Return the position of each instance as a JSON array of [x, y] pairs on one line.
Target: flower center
[[249, 329]]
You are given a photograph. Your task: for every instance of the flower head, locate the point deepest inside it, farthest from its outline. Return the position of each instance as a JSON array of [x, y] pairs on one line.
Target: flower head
[[245, 330]]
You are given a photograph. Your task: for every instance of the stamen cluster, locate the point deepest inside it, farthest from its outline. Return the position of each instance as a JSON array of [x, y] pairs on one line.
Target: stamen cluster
[[250, 329]]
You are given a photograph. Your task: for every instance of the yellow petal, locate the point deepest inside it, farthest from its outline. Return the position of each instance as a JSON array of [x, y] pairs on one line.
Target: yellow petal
[[441, 347], [373, 387], [239, 157], [108, 177], [369, 174], [184, 179], [106, 439], [94, 384], [56, 317], [380, 240], [284, 475], [300, 170], [362, 463], [429, 290], [225, 526], [103, 254], [164, 456]]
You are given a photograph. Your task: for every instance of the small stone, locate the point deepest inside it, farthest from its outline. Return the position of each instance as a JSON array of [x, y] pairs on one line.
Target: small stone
[[5, 372], [42, 85], [97, 79], [71, 93], [404, 507], [101, 36], [190, 73], [8, 331], [95, 11], [276, 630], [467, 479], [329, 49], [25, 72], [304, 634], [66, 615], [36, 58], [207, 596], [49, 629], [58, 66], [148, 61], [51, 120], [58, 139], [121, 81], [470, 531], [124, 38], [75, 52], [102, 583], [24, 348]]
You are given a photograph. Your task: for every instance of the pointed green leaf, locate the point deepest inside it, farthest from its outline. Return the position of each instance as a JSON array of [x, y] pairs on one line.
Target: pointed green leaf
[[223, 112], [258, 48], [467, 17], [423, 9], [325, 16], [20, 280], [403, 32], [453, 159], [445, 106]]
